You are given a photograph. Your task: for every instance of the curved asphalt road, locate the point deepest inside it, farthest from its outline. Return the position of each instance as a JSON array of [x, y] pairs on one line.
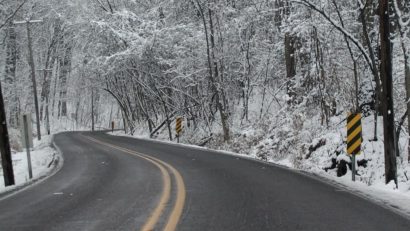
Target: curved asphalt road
[[103, 187]]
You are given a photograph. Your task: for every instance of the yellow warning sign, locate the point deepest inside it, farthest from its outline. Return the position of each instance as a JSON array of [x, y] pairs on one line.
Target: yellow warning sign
[[354, 133], [178, 126]]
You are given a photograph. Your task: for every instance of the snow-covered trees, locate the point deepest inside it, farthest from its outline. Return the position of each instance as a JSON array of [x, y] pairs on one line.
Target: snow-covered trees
[[287, 68]]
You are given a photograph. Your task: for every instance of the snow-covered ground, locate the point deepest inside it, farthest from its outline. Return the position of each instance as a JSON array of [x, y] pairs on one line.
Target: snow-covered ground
[[42, 160]]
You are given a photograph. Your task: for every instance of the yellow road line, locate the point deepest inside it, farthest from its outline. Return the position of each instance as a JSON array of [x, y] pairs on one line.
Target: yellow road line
[[176, 213], [177, 210], [166, 191]]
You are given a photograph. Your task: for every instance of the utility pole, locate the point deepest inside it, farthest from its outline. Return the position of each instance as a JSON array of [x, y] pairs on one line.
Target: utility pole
[[45, 71], [6, 161], [387, 96], [33, 72]]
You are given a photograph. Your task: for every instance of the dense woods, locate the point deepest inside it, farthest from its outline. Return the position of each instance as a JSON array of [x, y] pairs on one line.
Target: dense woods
[[272, 77]]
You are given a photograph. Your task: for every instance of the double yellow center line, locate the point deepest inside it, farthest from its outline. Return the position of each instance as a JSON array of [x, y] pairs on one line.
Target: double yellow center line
[[165, 169]]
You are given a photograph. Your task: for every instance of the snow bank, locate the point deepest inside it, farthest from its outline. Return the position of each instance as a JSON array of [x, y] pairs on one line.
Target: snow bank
[[43, 158]]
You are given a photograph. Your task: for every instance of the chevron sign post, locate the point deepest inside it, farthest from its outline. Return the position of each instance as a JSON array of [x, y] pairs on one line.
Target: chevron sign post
[[178, 127], [354, 138]]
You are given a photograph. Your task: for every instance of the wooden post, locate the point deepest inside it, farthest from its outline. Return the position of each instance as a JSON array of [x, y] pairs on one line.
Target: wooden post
[[387, 96], [6, 160]]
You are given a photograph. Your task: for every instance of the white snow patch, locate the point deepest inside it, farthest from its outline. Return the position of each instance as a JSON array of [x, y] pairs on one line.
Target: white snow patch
[[41, 157]]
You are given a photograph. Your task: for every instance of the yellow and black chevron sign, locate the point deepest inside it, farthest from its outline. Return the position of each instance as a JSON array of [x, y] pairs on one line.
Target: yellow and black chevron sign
[[354, 133], [178, 126]]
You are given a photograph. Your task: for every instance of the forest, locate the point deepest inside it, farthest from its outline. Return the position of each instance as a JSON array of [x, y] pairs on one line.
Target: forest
[[274, 79]]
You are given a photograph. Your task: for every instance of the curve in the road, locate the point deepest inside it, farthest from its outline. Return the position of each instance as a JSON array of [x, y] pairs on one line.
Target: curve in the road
[[110, 187], [156, 214]]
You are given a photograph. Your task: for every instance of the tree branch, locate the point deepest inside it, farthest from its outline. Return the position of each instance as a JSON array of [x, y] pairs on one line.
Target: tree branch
[[8, 19], [338, 27]]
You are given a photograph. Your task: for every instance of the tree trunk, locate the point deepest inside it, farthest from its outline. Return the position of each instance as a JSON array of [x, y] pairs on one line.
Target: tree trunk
[[167, 115], [216, 83], [10, 78], [377, 80], [47, 117], [65, 68], [6, 160], [290, 62], [387, 102], [33, 79], [407, 82], [49, 62]]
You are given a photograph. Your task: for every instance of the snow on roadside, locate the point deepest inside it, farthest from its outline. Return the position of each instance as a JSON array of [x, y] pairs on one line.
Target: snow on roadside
[[387, 195], [42, 157], [370, 177]]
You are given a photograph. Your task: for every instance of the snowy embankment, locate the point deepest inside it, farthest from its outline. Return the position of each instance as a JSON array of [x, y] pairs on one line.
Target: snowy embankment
[[314, 151], [44, 160]]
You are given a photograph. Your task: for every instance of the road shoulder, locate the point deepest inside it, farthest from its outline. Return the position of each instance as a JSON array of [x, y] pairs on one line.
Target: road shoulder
[[394, 201]]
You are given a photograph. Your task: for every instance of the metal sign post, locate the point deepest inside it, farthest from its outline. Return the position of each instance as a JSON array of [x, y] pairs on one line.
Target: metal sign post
[[178, 127], [27, 141], [354, 138]]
